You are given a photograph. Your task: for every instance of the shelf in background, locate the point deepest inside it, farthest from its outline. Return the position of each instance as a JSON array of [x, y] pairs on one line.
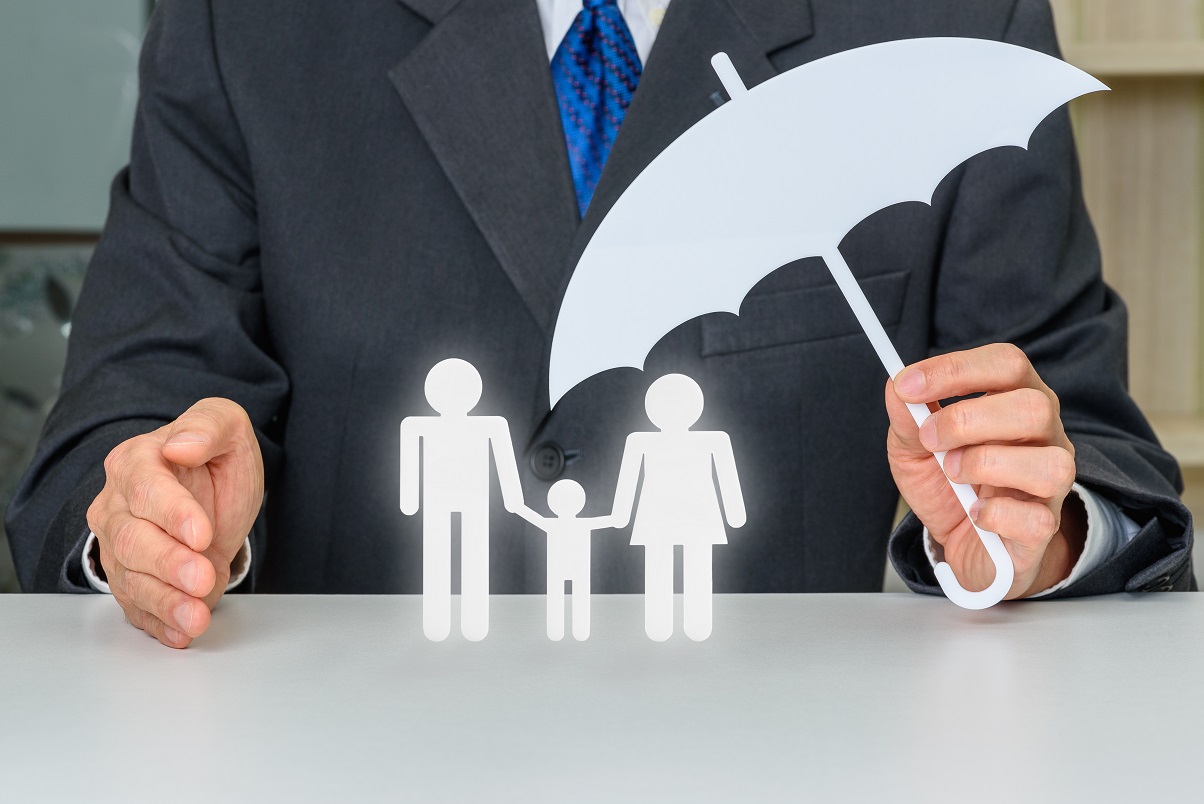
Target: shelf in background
[[1183, 437], [1138, 59]]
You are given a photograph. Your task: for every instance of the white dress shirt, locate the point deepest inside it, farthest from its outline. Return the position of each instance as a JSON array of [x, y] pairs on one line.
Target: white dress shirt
[[643, 18], [1108, 529]]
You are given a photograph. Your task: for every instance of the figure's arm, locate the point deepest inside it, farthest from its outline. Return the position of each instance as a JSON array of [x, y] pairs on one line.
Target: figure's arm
[[532, 516], [601, 522], [729, 481], [411, 465], [507, 466], [629, 477]]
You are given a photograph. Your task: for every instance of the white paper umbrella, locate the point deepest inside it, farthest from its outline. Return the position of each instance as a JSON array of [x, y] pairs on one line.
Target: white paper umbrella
[[784, 171]]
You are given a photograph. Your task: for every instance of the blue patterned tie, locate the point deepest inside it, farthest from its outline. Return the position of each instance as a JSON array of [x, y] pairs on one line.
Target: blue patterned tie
[[595, 71]]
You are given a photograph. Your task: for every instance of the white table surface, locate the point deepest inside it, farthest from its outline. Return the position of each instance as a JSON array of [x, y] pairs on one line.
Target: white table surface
[[819, 698]]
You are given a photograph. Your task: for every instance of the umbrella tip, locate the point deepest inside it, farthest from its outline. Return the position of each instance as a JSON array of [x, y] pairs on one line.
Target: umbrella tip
[[728, 76]]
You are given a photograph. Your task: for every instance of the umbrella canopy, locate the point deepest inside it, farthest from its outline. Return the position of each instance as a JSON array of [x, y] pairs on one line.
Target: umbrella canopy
[[784, 172]]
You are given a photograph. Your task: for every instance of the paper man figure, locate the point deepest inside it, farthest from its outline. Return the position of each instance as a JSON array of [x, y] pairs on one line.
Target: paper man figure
[[568, 555], [678, 504], [453, 473]]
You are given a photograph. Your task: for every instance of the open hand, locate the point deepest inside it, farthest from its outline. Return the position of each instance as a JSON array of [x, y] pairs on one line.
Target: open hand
[[1009, 444], [176, 507]]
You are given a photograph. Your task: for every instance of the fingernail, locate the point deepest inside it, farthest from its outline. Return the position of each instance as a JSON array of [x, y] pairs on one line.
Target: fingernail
[[976, 509], [172, 634], [183, 614], [188, 533], [953, 463], [188, 576], [910, 382], [186, 438], [928, 434]]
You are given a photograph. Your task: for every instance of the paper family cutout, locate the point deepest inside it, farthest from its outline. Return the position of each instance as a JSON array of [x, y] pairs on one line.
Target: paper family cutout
[[782, 172], [445, 471]]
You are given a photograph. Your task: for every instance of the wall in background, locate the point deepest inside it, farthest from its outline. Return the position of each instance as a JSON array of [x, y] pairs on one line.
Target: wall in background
[[68, 86], [1142, 150], [38, 288]]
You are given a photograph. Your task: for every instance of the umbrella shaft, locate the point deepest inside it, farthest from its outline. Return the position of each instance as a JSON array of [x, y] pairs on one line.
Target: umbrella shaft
[[873, 327], [866, 316], [885, 349]]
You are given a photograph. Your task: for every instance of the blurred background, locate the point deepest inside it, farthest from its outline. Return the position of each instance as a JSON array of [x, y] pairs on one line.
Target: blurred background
[[1142, 150], [68, 85]]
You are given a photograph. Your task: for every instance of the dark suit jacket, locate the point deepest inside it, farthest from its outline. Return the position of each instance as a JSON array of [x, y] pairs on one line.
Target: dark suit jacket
[[326, 198]]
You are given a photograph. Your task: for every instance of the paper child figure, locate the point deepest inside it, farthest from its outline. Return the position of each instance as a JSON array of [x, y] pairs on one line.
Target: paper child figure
[[568, 555], [453, 477], [678, 504]]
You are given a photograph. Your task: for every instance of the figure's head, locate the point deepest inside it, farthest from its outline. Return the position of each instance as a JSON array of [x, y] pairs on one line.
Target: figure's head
[[453, 387], [674, 402], [566, 498]]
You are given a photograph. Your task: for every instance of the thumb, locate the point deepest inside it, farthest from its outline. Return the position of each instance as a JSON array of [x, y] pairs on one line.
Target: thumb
[[903, 426], [209, 429]]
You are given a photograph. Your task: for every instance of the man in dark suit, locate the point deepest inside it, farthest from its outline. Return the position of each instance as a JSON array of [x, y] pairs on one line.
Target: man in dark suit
[[325, 199]]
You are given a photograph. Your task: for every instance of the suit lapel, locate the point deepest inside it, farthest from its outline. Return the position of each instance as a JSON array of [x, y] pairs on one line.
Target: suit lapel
[[480, 90]]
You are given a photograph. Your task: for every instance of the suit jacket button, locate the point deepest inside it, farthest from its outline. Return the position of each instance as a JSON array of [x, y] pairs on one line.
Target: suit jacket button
[[547, 461]]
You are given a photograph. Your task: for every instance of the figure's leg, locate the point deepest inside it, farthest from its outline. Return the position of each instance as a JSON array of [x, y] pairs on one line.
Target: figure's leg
[[436, 574], [555, 604], [658, 591], [581, 606], [474, 574], [697, 586]]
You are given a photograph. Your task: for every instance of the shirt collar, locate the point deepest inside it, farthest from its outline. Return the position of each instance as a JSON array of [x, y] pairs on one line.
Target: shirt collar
[[643, 18]]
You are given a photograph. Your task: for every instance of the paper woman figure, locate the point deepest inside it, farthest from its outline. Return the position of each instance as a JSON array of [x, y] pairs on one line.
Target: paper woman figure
[[678, 504]]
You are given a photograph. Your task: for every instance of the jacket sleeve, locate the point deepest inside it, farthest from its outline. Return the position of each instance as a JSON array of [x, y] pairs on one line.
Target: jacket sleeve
[[172, 306], [1021, 264]]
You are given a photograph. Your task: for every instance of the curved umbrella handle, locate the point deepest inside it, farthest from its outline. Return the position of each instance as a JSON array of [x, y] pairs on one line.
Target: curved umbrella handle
[[1005, 572]]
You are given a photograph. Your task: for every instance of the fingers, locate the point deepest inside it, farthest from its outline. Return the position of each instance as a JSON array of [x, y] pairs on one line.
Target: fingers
[[1022, 416], [168, 497], [217, 458], [1009, 444], [139, 545], [162, 610], [1045, 473], [209, 429], [154, 627], [152, 491], [140, 592], [994, 368], [904, 432], [1030, 525]]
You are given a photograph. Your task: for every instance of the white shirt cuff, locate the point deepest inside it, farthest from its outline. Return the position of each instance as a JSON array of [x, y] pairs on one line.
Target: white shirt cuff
[[1108, 530], [240, 567]]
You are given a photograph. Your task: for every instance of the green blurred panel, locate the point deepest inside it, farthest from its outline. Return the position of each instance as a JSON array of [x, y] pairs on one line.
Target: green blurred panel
[[68, 87], [38, 288]]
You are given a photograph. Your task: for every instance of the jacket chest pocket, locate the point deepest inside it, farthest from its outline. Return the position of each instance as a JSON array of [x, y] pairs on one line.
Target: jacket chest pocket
[[799, 316]]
